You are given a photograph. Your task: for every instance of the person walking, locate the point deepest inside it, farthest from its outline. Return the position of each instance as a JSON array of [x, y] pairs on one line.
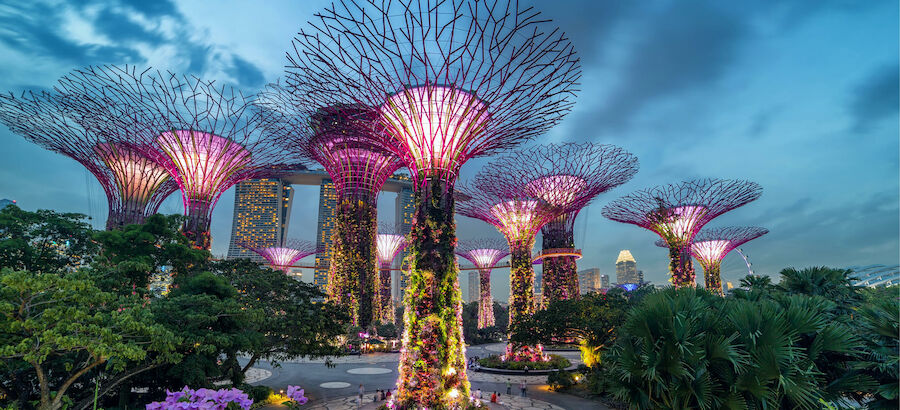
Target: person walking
[[508, 386], [359, 398], [478, 393], [523, 386]]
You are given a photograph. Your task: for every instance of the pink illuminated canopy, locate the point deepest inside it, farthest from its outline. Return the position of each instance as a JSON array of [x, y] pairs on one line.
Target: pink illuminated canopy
[[710, 252], [136, 176], [486, 258], [681, 223], [559, 190], [388, 245], [285, 256], [436, 124], [202, 163]]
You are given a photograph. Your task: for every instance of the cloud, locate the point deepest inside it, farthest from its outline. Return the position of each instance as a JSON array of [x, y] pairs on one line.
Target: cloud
[[120, 26], [876, 97], [245, 73]]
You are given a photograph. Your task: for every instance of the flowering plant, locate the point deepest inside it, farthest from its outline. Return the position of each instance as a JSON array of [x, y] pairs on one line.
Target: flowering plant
[[295, 394], [202, 399]]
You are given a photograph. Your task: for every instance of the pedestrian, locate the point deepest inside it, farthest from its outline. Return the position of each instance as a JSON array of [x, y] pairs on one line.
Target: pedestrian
[[523, 386], [387, 395], [526, 370], [478, 393], [508, 386], [359, 398], [494, 397], [382, 395]]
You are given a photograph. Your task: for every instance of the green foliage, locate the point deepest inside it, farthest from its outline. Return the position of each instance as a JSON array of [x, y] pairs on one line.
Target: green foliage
[[352, 270], [555, 362], [387, 330], [560, 380], [47, 317], [44, 241], [879, 327], [492, 334]]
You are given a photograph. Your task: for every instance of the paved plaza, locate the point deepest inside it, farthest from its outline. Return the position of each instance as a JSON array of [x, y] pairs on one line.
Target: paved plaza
[[336, 387]]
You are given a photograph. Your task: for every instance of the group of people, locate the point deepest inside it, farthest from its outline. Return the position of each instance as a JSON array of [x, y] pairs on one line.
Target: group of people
[[380, 395], [523, 386], [472, 363], [478, 395]]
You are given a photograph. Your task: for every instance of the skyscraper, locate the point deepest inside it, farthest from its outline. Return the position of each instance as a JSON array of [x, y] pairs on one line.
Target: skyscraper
[[262, 213], [474, 286], [589, 280], [405, 207], [626, 268], [604, 281], [327, 204]]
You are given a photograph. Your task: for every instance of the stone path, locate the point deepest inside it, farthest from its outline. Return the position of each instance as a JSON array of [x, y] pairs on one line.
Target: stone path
[[253, 375], [501, 378], [506, 402]]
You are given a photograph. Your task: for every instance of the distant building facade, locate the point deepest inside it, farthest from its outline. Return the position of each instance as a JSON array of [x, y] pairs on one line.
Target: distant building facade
[[875, 275], [626, 268], [405, 207], [589, 280], [262, 213], [474, 285], [325, 227], [604, 281]]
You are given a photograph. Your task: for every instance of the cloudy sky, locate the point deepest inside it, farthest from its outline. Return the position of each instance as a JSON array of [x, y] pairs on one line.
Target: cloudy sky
[[799, 96]]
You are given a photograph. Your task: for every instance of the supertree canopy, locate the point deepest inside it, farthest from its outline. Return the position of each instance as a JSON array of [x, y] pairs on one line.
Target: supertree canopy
[[451, 81], [204, 135], [389, 243], [484, 254], [134, 185], [285, 256], [676, 212], [712, 244], [519, 217], [569, 176]]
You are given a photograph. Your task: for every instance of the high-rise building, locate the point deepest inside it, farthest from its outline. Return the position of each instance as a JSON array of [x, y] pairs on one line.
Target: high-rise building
[[604, 281], [262, 213], [405, 207], [474, 286], [626, 268], [640, 276], [327, 206], [589, 280], [5, 202]]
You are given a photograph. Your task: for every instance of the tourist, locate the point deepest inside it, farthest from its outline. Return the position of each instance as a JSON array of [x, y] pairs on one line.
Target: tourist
[[494, 397], [359, 398], [382, 395], [523, 386], [387, 395], [478, 393], [508, 386]]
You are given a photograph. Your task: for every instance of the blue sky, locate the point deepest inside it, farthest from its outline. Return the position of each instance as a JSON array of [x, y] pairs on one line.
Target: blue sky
[[799, 96]]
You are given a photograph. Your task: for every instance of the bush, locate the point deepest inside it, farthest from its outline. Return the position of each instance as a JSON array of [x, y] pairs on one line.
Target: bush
[[259, 394], [560, 380], [556, 362]]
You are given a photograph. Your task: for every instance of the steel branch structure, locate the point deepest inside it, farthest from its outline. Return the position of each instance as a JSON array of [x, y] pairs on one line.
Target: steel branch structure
[[390, 242], [484, 254], [569, 176], [451, 80], [519, 217], [339, 138], [712, 244], [134, 185], [206, 136], [676, 212], [285, 256]]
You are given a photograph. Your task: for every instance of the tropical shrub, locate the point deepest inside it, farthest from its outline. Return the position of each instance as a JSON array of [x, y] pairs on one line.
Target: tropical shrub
[[560, 380], [555, 362]]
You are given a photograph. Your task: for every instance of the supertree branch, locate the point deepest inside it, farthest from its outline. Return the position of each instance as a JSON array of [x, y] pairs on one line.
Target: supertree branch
[[712, 244], [206, 136], [570, 176], [484, 254], [450, 80], [285, 256], [676, 212], [134, 185], [389, 243]]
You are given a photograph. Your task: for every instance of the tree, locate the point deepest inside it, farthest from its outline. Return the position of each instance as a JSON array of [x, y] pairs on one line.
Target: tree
[[47, 317], [879, 327], [288, 323], [831, 284], [44, 241]]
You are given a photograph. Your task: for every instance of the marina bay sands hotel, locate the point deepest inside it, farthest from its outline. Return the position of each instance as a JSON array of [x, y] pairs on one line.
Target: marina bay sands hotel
[[262, 214]]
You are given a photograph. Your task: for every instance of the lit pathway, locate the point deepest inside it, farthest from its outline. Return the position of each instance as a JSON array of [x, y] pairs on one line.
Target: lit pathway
[[506, 402]]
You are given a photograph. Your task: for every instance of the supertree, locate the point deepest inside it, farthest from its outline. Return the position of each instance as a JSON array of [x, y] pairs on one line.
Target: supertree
[[484, 254], [337, 137], [451, 80], [518, 216], [712, 244], [676, 212], [390, 243], [134, 185], [283, 257], [569, 176], [206, 136]]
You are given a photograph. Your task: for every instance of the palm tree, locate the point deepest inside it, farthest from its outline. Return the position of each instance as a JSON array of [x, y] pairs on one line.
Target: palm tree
[[879, 325]]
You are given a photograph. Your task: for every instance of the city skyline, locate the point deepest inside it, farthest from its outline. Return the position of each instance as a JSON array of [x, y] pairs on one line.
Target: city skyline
[[799, 98]]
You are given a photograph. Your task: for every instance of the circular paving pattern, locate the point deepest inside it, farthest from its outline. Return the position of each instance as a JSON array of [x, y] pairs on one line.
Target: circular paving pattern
[[369, 370], [334, 385]]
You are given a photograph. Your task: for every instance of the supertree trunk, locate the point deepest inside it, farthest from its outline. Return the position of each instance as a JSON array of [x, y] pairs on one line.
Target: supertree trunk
[[196, 227], [432, 362], [351, 274], [485, 302], [681, 266], [559, 278], [385, 305], [712, 274], [521, 297]]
